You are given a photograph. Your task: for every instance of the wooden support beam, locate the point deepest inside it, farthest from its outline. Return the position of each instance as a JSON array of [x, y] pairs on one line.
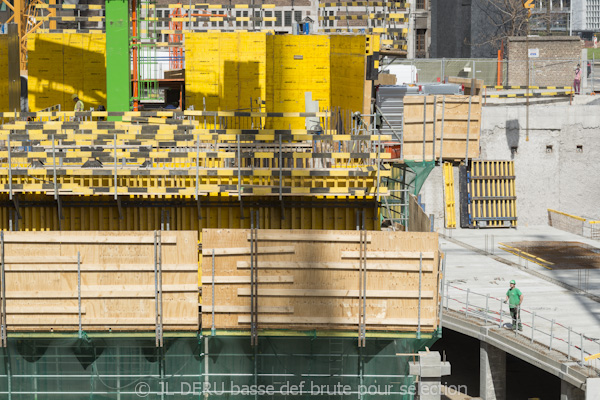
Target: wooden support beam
[[295, 265], [308, 237], [246, 279], [391, 294], [287, 320], [41, 267], [390, 254], [246, 309], [94, 238], [233, 251]]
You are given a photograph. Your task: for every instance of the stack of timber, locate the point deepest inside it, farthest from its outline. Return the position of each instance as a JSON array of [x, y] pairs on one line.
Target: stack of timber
[[441, 127], [117, 287], [310, 280]]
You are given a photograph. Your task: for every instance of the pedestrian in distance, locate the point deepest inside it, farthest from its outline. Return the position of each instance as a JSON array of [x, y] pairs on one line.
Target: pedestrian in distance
[[514, 297], [577, 82]]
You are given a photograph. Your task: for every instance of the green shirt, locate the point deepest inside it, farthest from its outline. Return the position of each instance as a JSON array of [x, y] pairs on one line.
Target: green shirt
[[514, 297]]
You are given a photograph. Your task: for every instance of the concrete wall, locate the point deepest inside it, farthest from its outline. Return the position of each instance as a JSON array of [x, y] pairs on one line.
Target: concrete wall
[[563, 177], [555, 66]]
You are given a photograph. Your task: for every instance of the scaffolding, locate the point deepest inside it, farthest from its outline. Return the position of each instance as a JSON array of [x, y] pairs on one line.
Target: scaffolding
[[127, 368]]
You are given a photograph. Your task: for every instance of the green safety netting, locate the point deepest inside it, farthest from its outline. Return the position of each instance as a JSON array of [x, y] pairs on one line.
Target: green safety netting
[[217, 367], [407, 178]]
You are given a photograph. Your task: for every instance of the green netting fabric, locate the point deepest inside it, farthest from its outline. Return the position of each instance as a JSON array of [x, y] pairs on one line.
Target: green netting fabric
[[210, 367], [417, 174], [406, 178]]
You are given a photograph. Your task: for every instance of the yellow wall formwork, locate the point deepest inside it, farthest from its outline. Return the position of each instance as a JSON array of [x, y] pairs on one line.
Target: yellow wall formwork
[[61, 65], [225, 71], [276, 69], [4, 73], [177, 213]]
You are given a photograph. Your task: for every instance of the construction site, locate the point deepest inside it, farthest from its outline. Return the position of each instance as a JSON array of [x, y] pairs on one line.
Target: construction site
[[286, 201]]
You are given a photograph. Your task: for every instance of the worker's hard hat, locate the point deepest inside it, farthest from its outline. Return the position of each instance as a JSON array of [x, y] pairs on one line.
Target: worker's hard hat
[[513, 282], [75, 96]]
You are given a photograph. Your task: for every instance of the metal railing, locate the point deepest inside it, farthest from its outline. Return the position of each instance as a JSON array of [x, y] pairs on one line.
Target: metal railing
[[574, 224], [538, 329]]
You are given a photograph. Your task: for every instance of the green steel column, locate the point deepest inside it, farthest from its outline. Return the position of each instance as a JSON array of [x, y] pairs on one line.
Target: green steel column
[[117, 55]]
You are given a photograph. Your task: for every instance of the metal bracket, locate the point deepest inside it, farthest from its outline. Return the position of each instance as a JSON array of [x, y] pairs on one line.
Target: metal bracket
[[158, 288], [281, 180], [79, 292], [362, 279], [119, 207], [254, 225], [3, 304], [17, 208]]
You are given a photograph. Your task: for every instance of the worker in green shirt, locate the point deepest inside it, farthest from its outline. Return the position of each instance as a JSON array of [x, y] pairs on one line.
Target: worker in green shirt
[[514, 297]]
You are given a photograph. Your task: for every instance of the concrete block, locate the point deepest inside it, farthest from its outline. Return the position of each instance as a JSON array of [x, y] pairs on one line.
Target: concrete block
[[431, 371], [446, 369], [592, 391], [414, 368]]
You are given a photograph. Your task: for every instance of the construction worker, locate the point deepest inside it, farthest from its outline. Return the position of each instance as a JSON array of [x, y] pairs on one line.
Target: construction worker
[[78, 103], [514, 297]]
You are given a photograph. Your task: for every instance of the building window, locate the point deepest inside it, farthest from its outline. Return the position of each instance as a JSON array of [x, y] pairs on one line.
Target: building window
[[159, 15], [278, 16], [297, 16], [420, 46], [238, 14], [421, 4], [268, 14], [258, 22], [288, 18], [330, 22]]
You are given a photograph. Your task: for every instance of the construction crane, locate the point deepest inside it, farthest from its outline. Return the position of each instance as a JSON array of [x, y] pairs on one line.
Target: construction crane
[[25, 14]]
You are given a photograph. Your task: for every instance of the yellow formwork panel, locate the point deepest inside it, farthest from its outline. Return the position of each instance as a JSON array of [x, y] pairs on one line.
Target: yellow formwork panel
[[450, 208], [222, 213], [241, 66], [63, 64], [4, 73], [493, 200]]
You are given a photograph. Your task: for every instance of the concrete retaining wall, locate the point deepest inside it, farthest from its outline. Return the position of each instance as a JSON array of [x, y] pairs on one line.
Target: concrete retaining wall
[[551, 170]]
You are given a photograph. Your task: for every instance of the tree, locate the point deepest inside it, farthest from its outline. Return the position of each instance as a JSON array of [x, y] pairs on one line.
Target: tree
[[502, 19]]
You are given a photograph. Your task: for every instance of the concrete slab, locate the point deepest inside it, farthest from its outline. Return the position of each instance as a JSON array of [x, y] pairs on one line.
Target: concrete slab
[[473, 275]]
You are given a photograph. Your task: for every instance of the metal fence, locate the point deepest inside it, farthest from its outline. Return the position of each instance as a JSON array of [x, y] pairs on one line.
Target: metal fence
[[542, 72], [538, 329], [434, 70]]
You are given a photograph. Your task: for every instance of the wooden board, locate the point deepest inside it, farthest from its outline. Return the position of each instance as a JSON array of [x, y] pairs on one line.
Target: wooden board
[[317, 286], [425, 110], [418, 221], [117, 280]]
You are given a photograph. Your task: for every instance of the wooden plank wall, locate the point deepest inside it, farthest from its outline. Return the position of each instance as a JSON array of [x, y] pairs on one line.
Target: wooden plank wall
[[117, 280], [418, 221], [455, 116], [309, 280]]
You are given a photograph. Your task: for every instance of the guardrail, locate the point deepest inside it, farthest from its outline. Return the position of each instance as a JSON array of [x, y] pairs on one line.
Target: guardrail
[[574, 224], [538, 329]]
